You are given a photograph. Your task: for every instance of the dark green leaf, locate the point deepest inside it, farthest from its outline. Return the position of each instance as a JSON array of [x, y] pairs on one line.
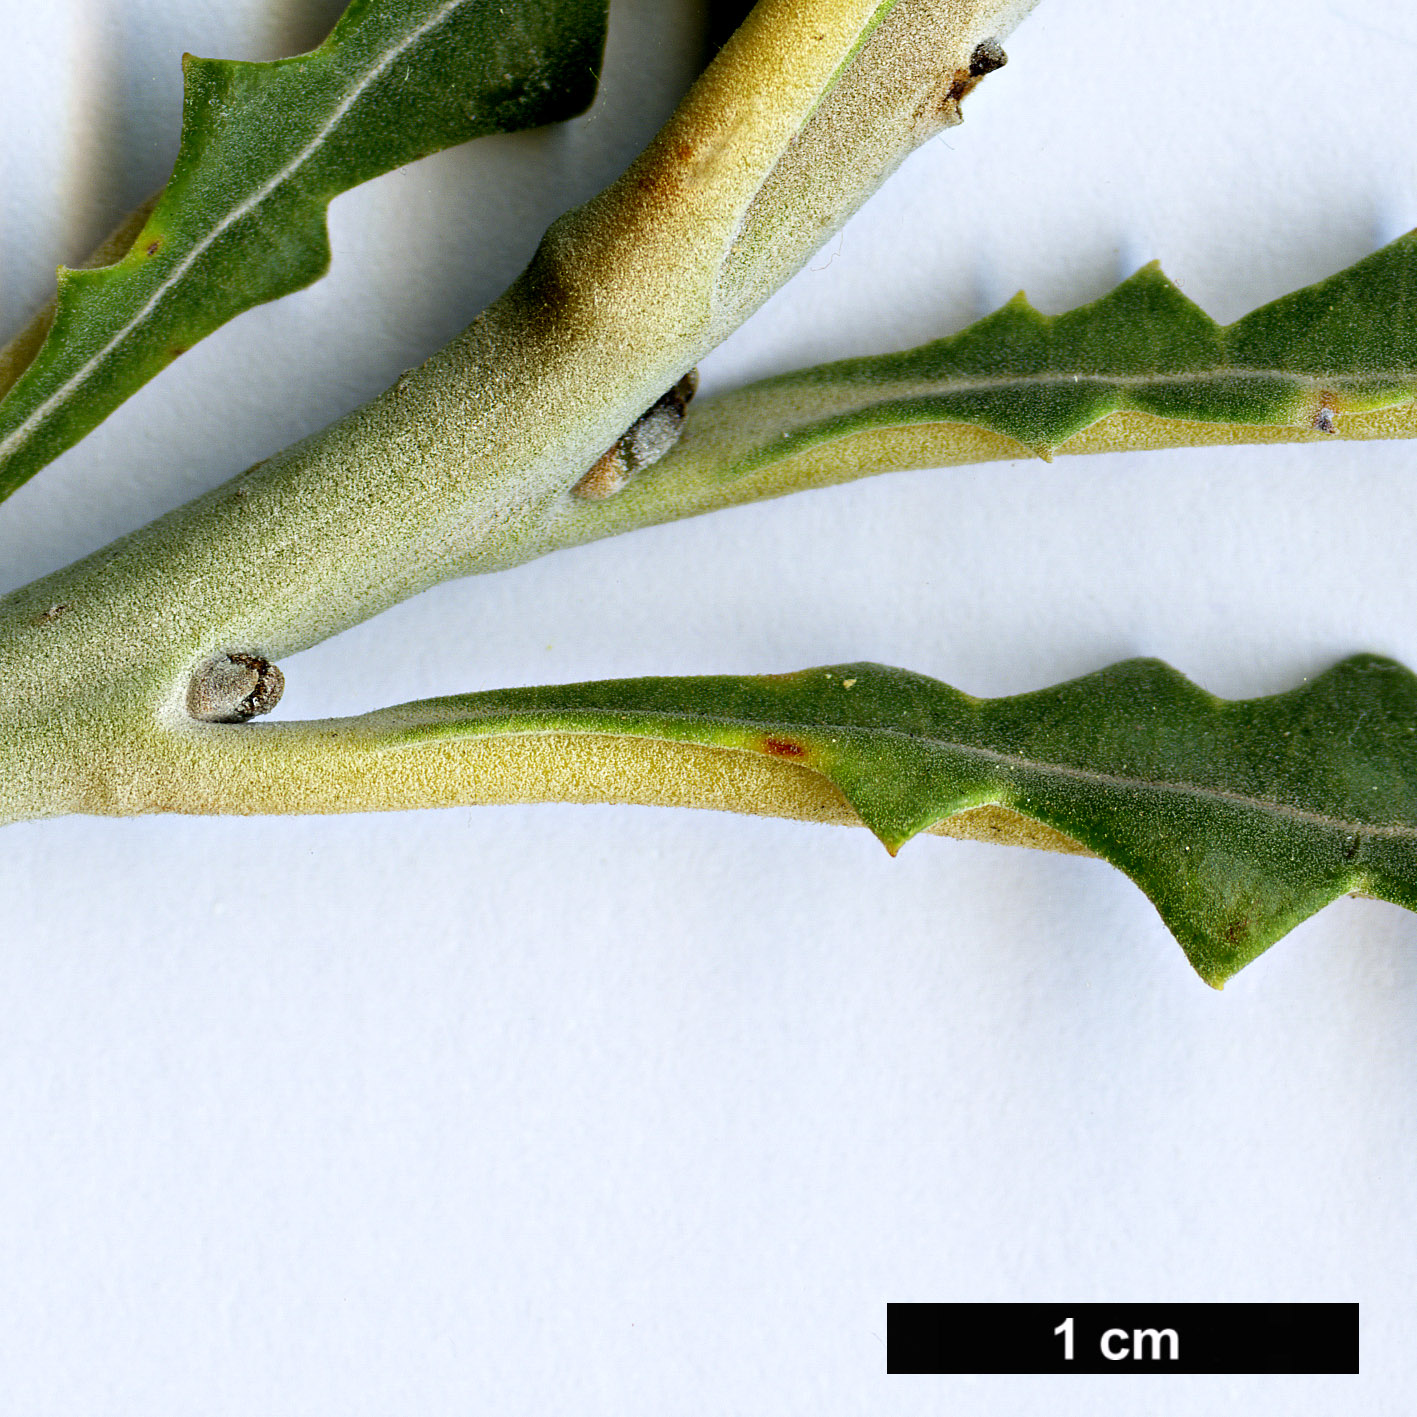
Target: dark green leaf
[[1345, 345], [1238, 818], [265, 147]]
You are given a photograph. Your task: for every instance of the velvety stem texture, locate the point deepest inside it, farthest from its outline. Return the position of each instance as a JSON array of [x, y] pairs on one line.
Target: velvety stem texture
[[464, 461]]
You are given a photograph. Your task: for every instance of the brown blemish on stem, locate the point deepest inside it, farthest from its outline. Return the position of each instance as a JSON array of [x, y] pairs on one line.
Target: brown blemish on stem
[[783, 748]]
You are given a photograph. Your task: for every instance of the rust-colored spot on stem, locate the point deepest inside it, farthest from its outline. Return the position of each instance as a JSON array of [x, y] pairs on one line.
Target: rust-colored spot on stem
[[783, 748], [960, 85]]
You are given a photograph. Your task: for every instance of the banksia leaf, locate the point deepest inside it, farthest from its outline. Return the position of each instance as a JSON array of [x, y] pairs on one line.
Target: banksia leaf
[[1307, 362], [1238, 818], [265, 147]]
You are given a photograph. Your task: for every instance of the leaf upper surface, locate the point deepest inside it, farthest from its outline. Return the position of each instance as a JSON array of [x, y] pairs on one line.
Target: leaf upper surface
[[1345, 345], [1238, 818], [265, 147]]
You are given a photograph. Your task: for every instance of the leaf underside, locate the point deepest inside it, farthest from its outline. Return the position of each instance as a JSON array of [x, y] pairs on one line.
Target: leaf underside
[[265, 147], [1238, 818], [1345, 345]]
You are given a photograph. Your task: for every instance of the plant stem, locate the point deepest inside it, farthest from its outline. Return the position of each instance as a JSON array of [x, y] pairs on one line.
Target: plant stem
[[462, 460], [699, 475]]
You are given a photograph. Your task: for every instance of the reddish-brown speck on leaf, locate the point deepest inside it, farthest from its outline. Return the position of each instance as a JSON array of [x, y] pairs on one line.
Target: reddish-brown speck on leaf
[[1236, 931], [153, 247], [783, 748]]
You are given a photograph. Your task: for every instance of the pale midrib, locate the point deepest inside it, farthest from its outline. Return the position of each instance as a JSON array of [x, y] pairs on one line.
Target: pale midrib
[[886, 393], [1282, 810], [41, 411]]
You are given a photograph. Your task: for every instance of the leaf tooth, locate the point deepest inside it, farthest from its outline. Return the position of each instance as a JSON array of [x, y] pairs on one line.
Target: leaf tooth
[[264, 147]]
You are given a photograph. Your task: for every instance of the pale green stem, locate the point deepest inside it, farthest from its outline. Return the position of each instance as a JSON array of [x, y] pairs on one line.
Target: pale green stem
[[464, 460], [720, 461]]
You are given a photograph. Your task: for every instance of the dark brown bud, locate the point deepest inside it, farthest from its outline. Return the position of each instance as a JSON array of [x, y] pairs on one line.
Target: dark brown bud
[[987, 57]]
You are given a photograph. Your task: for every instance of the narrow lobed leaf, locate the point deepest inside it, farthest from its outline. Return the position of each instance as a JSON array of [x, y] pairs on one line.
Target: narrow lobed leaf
[[1238, 818], [265, 148], [1341, 347]]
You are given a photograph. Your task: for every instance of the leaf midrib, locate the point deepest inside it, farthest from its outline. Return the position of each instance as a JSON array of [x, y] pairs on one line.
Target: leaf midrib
[[929, 388]]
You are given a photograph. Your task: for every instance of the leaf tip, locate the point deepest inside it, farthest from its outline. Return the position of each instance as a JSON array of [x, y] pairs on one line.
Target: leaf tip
[[1216, 977]]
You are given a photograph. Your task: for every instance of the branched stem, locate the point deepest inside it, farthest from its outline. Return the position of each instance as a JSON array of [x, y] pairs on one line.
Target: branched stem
[[466, 460]]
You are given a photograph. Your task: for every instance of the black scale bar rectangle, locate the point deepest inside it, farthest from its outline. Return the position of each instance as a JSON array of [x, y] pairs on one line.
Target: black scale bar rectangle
[[1121, 1338]]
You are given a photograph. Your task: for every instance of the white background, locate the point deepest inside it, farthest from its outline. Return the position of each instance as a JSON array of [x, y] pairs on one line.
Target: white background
[[601, 1110]]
